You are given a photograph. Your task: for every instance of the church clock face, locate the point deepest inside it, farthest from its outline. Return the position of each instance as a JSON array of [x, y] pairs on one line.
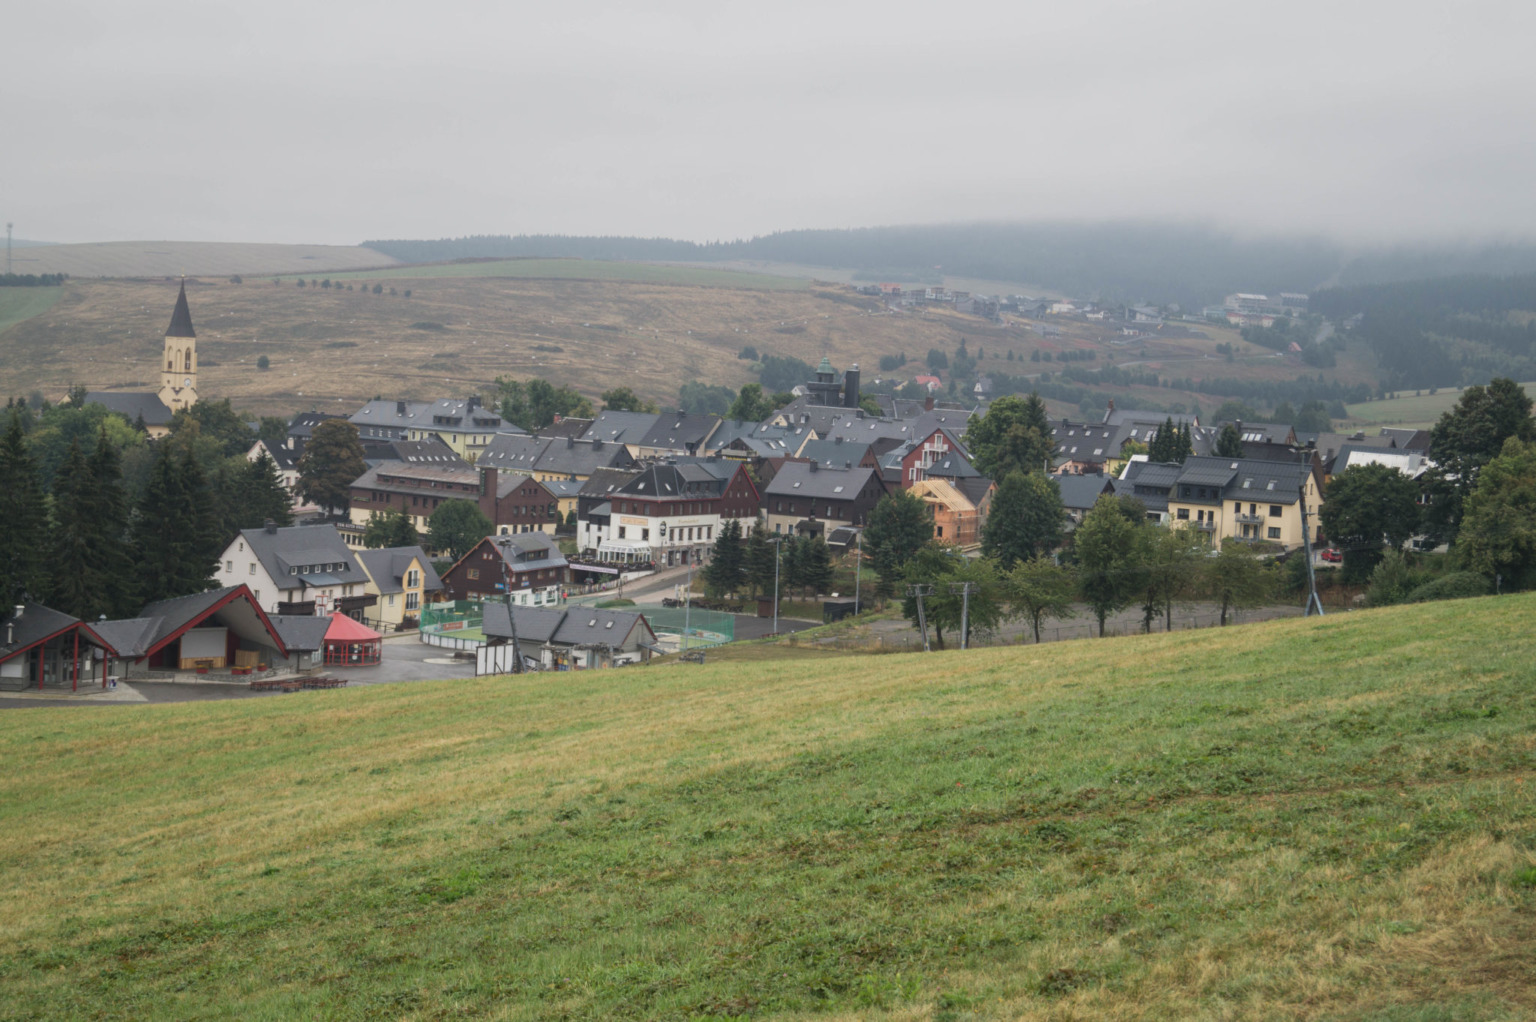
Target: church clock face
[[187, 381]]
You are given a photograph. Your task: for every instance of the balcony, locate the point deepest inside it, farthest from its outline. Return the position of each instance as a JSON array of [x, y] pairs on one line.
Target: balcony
[[1249, 519], [1204, 526]]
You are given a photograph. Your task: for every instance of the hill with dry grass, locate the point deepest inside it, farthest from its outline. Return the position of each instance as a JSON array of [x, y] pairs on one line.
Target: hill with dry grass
[[174, 258]]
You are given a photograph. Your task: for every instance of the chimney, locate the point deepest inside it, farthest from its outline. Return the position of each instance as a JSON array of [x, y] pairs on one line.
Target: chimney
[[928, 402], [815, 465], [399, 407], [570, 442], [559, 418], [851, 386], [270, 526], [472, 403]]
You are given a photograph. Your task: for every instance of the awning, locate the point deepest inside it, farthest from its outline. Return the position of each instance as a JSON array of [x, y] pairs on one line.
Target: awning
[[624, 546]]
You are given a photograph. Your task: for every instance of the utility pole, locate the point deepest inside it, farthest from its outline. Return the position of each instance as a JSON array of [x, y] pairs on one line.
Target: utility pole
[[1314, 603], [687, 601], [918, 590], [8, 226], [506, 583], [777, 545], [965, 589]]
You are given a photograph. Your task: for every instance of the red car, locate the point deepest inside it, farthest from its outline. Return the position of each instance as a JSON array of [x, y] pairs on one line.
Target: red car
[[1332, 556]]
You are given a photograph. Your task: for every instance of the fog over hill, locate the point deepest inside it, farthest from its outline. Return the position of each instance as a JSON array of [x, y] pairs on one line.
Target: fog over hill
[[1184, 263]]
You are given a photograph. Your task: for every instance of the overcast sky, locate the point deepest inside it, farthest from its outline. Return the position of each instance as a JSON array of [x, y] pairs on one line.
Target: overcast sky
[[339, 121]]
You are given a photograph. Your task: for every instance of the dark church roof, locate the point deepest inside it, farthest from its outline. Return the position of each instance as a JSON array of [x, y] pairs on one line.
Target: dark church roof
[[181, 318], [131, 406]]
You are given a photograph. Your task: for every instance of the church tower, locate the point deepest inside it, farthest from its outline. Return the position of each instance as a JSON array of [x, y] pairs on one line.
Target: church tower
[[178, 372]]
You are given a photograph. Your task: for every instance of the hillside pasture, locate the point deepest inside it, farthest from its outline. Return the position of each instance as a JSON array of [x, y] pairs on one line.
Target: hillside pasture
[[1410, 409], [175, 258], [22, 303], [588, 269], [1311, 819]]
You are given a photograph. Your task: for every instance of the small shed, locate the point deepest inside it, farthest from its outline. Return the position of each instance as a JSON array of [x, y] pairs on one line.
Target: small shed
[[836, 609], [350, 644]]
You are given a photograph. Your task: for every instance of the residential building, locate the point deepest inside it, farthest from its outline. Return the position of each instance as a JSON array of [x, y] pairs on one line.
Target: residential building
[[513, 501], [805, 498], [380, 420], [1239, 499], [467, 426], [546, 458], [574, 637], [526, 567], [680, 433], [671, 512], [404, 581], [303, 569], [956, 520]]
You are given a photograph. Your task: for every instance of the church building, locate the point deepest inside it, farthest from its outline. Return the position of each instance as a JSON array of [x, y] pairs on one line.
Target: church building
[[178, 378]]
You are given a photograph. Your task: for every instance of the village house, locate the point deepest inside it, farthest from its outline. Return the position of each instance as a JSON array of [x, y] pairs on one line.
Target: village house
[[544, 458], [558, 639], [670, 512], [957, 521], [806, 499], [514, 502], [527, 567], [1235, 499], [404, 581], [380, 420], [304, 569]]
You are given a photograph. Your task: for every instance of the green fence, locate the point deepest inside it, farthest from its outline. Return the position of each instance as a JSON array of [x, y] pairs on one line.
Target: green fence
[[705, 627], [454, 624]]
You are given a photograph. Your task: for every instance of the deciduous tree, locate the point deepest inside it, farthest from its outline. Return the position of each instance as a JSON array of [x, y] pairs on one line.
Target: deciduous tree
[[1014, 436], [1026, 518], [1235, 579], [456, 526], [1498, 532], [899, 525], [332, 461], [1111, 556], [391, 527], [1038, 589], [1367, 508]]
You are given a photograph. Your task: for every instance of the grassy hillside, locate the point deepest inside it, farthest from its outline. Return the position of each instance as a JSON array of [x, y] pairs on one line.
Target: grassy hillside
[[1410, 409], [589, 269], [174, 258], [1308, 819]]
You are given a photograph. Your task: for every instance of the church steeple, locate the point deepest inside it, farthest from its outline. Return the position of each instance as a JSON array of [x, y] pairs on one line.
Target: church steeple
[[181, 318], [178, 374]]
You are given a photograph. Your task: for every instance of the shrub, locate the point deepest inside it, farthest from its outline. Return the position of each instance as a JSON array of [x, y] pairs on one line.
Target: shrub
[[263, 363], [1456, 585]]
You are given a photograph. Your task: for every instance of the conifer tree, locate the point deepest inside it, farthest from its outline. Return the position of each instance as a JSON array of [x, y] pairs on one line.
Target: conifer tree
[[723, 573], [175, 537], [23, 514], [816, 565], [111, 512], [266, 494], [759, 561], [74, 583]]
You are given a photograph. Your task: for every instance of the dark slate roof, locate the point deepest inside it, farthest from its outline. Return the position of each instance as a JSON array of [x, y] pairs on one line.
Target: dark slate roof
[[1158, 474], [309, 547], [534, 624], [391, 416], [1274, 481], [682, 431], [1114, 417], [433, 450], [567, 427], [569, 627], [622, 427], [563, 456], [1081, 492], [669, 480], [527, 549], [36, 622], [304, 423], [130, 637], [605, 481], [834, 452], [796, 479], [132, 406], [181, 316], [1410, 439], [301, 633], [286, 460], [387, 568], [974, 487]]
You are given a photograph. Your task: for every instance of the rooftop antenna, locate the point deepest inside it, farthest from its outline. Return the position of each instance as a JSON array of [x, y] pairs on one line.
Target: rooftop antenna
[[8, 226]]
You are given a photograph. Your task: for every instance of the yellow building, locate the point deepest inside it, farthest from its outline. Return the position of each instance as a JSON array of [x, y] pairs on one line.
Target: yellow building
[[404, 581], [1247, 500]]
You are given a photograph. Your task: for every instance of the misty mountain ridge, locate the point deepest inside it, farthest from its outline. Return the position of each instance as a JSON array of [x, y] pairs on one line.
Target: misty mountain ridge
[[1187, 264]]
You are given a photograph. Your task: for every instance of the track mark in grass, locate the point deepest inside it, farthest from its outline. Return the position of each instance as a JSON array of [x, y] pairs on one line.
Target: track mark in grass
[[1063, 981]]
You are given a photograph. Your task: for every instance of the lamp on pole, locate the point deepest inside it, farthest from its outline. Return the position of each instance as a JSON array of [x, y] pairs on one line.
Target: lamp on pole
[[777, 544], [687, 602]]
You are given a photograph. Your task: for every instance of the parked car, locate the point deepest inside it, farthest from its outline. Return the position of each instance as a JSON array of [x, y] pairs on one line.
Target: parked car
[[1332, 556]]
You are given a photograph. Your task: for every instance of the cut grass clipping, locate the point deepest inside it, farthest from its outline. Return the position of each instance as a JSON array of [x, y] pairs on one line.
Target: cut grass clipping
[[1327, 819]]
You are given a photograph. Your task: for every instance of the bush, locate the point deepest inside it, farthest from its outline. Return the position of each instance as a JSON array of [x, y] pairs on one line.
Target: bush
[[1392, 580], [1456, 585], [263, 363]]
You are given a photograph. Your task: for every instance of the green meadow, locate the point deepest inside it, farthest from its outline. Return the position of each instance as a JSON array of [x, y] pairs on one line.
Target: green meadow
[[1307, 819], [21, 303], [1409, 409], [586, 269]]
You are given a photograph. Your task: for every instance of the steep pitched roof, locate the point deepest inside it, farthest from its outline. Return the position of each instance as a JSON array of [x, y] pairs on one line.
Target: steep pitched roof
[[387, 568], [683, 432], [802, 479], [131, 406], [622, 427], [1081, 492], [311, 555], [301, 633], [35, 623], [181, 316]]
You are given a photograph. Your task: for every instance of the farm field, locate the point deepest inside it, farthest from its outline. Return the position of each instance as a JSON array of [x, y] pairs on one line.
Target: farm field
[[588, 269], [175, 258], [1309, 819], [1421, 410]]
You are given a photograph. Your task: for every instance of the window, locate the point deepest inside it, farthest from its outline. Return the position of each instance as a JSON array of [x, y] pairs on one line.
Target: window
[[253, 568], [391, 599], [412, 601], [1275, 510], [1237, 507], [472, 573], [229, 566], [412, 579], [1274, 532], [1183, 514], [621, 532]]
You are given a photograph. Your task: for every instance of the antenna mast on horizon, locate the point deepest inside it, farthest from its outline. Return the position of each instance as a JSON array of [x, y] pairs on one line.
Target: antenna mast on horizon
[[8, 226]]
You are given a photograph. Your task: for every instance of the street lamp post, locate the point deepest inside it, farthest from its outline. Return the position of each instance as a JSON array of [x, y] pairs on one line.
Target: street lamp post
[[777, 545], [687, 604], [858, 567]]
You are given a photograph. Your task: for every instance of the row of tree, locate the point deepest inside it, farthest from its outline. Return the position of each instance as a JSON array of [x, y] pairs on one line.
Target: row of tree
[[763, 562], [85, 544]]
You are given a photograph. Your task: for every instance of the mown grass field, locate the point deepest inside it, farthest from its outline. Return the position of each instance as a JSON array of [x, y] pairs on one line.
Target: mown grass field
[[1418, 411], [21, 303], [1310, 819]]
